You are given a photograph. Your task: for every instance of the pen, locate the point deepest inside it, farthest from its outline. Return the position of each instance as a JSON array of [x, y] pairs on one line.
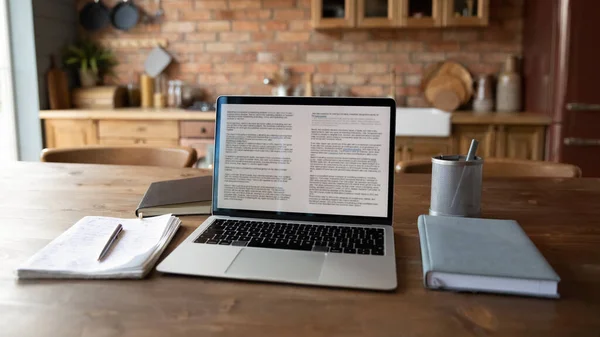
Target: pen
[[111, 240]]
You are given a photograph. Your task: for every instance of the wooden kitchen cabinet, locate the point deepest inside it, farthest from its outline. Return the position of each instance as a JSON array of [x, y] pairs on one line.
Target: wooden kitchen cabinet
[[70, 132], [520, 142], [466, 12], [124, 127], [138, 129], [377, 13], [518, 136], [199, 135], [501, 141], [127, 132], [409, 148], [463, 134], [197, 129], [138, 141], [334, 13], [399, 13], [420, 13]]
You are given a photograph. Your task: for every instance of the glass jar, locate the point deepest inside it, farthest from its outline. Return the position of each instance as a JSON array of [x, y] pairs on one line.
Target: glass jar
[[133, 95], [178, 94], [160, 91], [341, 91], [171, 94]]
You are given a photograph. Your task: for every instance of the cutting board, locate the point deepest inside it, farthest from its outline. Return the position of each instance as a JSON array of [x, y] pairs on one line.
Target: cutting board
[[448, 69], [446, 101], [460, 72], [58, 87]]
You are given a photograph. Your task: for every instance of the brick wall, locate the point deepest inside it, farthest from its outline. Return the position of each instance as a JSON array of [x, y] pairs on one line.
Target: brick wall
[[227, 46]]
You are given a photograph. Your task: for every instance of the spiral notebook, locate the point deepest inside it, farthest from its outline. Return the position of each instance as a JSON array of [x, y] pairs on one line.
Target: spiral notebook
[[74, 254]]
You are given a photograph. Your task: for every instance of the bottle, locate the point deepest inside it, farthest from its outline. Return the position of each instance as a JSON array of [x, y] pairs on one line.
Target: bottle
[[508, 90], [483, 101]]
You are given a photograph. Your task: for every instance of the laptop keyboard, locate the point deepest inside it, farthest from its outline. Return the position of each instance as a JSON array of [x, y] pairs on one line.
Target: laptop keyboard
[[278, 235]]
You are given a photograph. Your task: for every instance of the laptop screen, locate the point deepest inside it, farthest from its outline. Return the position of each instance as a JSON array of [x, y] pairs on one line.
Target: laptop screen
[[309, 159]]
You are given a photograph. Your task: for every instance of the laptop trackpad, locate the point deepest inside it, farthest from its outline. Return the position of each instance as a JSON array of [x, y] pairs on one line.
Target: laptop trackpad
[[277, 265]]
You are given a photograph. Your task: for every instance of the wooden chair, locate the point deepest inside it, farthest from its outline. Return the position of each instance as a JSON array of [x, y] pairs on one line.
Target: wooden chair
[[123, 155], [503, 167]]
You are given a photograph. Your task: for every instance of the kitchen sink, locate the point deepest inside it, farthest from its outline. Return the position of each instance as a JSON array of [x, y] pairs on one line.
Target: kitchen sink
[[423, 122]]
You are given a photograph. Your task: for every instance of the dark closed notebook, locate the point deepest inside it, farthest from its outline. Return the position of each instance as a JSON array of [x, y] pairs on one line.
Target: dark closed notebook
[[180, 197]]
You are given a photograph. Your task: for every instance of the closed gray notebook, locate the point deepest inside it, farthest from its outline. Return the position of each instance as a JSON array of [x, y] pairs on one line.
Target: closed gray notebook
[[469, 254]]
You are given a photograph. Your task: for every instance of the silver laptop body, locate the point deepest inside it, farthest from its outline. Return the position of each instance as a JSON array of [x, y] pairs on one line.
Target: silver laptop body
[[302, 193]]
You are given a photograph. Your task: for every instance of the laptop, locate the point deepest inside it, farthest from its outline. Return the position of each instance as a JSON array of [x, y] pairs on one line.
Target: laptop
[[302, 193]]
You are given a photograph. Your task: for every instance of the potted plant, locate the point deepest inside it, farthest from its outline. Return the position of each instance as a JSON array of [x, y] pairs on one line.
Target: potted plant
[[92, 61]]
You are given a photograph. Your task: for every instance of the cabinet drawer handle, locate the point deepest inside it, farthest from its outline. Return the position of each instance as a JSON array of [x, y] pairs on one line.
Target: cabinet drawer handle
[[141, 129], [140, 141], [582, 141], [582, 107]]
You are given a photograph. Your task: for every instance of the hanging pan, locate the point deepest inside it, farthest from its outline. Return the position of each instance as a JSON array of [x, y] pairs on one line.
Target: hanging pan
[[94, 16], [125, 15]]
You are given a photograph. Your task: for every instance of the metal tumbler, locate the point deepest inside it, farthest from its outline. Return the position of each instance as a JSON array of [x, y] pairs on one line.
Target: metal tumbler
[[456, 186]]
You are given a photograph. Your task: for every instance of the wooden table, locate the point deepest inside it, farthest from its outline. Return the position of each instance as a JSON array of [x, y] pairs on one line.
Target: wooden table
[[39, 201]]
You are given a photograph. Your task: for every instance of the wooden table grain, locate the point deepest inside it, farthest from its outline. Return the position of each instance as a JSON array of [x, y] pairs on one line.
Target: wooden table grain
[[39, 201]]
